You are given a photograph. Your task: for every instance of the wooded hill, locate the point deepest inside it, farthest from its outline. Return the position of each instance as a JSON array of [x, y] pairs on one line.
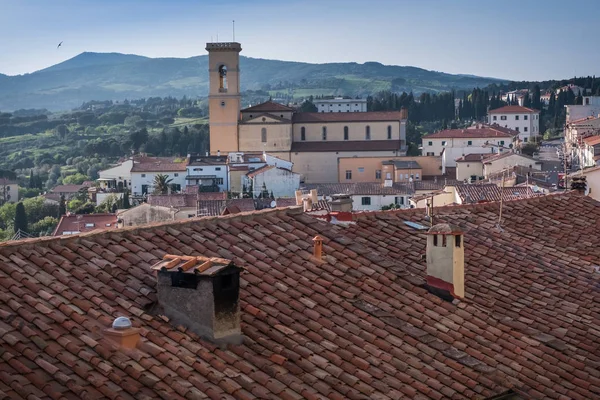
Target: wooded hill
[[115, 76]]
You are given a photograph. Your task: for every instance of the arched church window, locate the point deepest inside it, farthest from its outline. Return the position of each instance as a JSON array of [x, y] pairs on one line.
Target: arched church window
[[263, 135], [303, 133], [345, 133], [324, 133], [389, 131], [367, 132], [222, 78]]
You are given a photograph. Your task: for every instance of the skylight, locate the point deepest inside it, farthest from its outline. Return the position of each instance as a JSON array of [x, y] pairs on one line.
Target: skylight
[[416, 225]]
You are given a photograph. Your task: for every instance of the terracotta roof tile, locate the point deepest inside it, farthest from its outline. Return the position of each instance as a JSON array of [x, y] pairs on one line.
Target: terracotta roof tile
[[356, 325], [70, 224], [492, 192], [468, 133], [267, 106]]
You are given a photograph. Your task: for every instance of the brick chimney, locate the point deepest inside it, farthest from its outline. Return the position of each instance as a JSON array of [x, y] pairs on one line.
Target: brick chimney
[[201, 294], [446, 261]]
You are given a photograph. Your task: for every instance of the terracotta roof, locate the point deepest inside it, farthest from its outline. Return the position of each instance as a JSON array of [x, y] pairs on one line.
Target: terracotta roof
[[267, 106], [491, 192], [259, 171], [358, 325], [592, 140], [70, 224], [67, 188], [359, 188], [159, 166], [399, 164], [243, 205], [583, 121], [172, 200], [350, 145], [505, 154], [497, 127], [207, 160], [513, 110], [285, 201], [191, 264], [468, 133], [210, 208], [438, 184], [473, 157], [304, 117]]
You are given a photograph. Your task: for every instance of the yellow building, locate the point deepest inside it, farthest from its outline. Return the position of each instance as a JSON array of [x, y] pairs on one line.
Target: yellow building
[[312, 141]]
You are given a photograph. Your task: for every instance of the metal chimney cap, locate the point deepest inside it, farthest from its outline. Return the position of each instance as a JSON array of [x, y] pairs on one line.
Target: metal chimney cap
[[121, 323]]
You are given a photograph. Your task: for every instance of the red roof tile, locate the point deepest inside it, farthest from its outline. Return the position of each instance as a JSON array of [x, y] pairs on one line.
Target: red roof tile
[[471, 158], [71, 224], [159, 166], [513, 110], [304, 117], [358, 324], [492, 192], [350, 145], [592, 140], [268, 106]]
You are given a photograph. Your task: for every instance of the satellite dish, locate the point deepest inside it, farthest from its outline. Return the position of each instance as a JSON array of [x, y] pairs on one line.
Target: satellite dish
[[273, 204]]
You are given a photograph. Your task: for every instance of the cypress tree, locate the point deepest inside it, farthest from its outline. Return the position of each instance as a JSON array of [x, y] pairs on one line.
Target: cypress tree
[[31, 180], [62, 207], [20, 218], [126, 203]]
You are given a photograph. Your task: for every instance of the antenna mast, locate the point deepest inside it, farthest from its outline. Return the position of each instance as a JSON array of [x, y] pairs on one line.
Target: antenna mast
[[501, 203], [234, 30]]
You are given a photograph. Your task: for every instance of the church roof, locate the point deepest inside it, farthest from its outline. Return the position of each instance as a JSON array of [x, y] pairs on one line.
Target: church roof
[[347, 116], [268, 106]]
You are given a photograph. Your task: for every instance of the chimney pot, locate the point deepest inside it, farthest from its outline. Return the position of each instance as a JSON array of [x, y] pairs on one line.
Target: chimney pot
[[445, 257], [318, 250]]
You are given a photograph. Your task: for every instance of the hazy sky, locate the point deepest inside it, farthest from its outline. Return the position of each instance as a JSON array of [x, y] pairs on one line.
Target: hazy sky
[[511, 39]]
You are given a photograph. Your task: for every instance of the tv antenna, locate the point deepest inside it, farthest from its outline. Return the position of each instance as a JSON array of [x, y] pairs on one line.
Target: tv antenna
[[233, 30]]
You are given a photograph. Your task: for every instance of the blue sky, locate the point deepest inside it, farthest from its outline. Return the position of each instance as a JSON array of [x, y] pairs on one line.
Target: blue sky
[[519, 40]]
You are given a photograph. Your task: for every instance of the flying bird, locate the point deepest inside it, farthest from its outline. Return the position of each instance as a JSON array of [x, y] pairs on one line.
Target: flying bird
[[59, 45]]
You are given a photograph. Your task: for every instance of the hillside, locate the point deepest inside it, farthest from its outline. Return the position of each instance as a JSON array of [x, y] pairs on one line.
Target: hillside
[[114, 76]]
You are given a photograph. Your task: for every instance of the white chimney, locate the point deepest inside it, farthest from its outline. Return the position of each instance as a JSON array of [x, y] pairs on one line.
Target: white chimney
[[446, 261]]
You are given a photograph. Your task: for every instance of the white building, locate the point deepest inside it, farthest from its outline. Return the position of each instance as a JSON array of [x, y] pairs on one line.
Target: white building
[[473, 167], [452, 144], [280, 182], [208, 171], [9, 191], [143, 174], [366, 196], [524, 120], [518, 95], [340, 104], [117, 177], [589, 108]]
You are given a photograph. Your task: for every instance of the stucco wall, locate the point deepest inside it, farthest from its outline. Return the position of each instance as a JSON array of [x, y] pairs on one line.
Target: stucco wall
[[356, 131], [322, 167], [281, 182], [279, 137], [464, 170], [531, 124], [137, 180], [429, 166]]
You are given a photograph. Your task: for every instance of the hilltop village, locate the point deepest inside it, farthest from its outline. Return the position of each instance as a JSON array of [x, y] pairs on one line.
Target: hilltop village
[[306, 255]]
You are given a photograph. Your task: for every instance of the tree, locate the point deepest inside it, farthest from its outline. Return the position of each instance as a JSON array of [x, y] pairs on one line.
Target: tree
[[308, 106], [20, 218], [161, 184], [126, 204], [62, 206], [31, 180]]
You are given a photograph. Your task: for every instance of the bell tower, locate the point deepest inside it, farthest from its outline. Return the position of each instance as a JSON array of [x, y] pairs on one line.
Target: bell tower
[[224, 95]]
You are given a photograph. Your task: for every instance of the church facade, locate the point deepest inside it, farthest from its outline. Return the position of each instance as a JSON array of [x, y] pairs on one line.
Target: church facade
[[312, 141]]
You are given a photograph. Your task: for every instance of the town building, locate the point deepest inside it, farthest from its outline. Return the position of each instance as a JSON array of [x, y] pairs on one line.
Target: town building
[[143, 174], [341, 104], [72, 224], [516, 95], [209, 173], [589, 108], [577, 90], [474, 167], [366, 196], [311, 141], [380, 169], [9, 191], [275, 181], [395, 305], [452, 144], [68, 191], [524, 120]]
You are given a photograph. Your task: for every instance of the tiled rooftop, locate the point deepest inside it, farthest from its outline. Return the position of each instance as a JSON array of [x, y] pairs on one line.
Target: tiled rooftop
[[357, 325], [71, 224], [513, 110], [359, 188], [267, 106], [492, 192]]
